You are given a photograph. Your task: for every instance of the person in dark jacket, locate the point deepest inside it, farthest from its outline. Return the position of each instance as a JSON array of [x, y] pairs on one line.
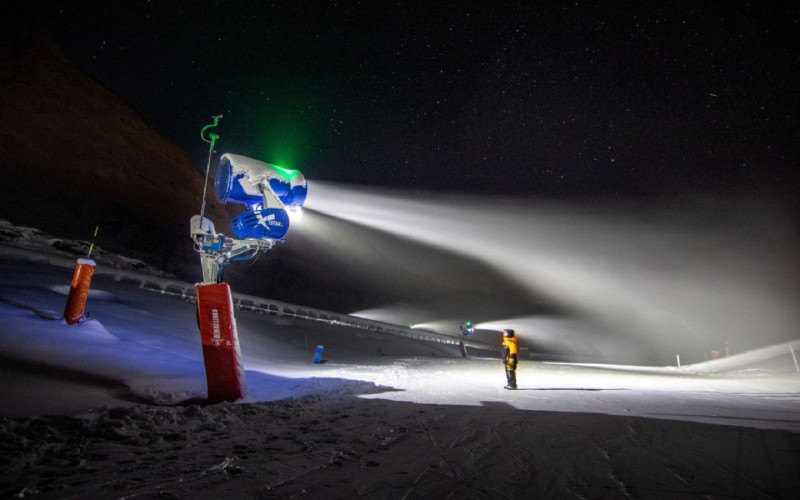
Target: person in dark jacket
[[510, 358]]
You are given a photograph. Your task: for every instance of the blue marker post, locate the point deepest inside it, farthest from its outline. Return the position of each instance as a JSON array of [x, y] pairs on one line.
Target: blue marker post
[[318, 355]]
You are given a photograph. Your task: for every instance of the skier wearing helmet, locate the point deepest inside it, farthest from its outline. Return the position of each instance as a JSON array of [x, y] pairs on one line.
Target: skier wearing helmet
[[510, 358]]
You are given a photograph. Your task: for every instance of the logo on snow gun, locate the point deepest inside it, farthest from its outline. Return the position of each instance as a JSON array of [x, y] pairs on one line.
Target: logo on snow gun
[[267, 223]]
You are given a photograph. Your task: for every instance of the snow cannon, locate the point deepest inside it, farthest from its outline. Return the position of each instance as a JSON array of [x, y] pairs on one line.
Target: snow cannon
[[265, 189]]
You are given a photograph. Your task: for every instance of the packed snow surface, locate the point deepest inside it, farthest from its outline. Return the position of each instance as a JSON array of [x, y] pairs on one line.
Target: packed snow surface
[[115, 408]]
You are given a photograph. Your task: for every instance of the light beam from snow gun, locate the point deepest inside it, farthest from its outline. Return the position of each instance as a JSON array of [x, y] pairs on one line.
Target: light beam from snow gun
[[265, 189]]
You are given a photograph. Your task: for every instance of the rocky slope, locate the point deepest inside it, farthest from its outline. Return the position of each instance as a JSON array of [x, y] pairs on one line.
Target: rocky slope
[[74, 155]]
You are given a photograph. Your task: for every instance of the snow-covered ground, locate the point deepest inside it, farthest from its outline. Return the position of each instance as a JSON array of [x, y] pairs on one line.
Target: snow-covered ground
[[114, 408]]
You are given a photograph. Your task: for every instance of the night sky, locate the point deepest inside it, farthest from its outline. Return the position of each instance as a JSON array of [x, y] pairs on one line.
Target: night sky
[[504, 97]]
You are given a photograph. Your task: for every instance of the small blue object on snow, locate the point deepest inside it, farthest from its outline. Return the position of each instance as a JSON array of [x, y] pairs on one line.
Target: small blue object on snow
[[318, 355]]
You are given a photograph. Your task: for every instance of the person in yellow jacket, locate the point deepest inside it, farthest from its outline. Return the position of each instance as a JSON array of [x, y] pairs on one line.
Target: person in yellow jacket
[[510, 358]]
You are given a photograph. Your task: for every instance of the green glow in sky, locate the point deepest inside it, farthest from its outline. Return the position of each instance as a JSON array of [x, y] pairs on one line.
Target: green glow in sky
[[287, 173], [288, 131]]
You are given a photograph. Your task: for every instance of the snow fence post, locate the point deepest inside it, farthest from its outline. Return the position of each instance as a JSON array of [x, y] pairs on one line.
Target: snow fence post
[[463, 349], [79, 291], [221, 352], [318, 355]]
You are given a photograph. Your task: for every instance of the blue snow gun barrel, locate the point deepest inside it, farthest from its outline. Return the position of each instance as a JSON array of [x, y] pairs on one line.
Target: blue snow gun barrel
[[265, 189]]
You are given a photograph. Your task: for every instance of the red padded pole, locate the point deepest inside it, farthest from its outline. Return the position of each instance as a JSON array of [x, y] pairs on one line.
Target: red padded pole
[[221, 352]]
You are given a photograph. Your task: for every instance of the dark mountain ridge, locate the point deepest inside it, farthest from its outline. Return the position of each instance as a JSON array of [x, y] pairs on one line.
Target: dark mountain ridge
[[74, 155]]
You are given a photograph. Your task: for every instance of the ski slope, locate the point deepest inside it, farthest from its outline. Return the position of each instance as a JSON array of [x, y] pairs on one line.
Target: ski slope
[[114, 407]]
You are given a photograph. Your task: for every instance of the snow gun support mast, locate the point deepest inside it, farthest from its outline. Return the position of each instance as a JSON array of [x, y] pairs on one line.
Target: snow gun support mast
[[217, 250], [266, 190]]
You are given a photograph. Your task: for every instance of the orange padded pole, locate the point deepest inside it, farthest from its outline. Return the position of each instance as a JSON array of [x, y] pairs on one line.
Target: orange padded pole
[[79, 291]]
